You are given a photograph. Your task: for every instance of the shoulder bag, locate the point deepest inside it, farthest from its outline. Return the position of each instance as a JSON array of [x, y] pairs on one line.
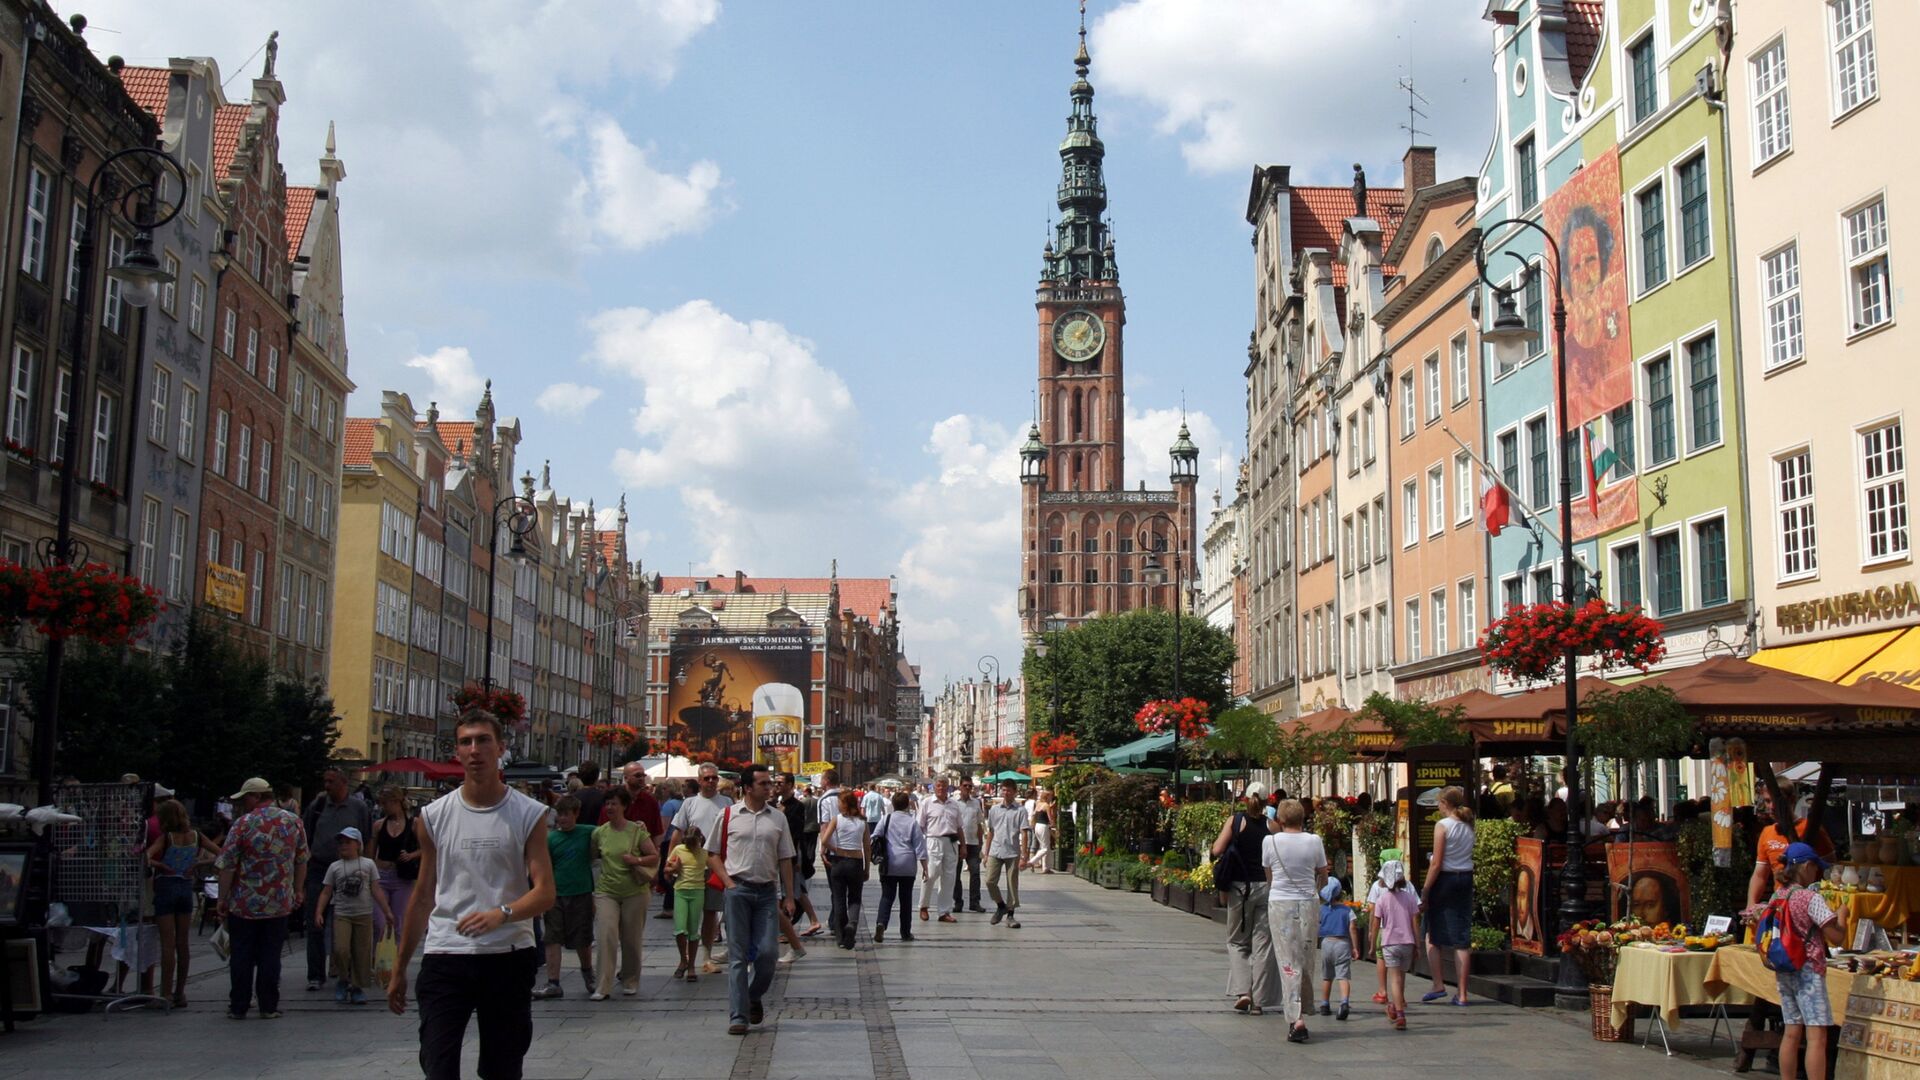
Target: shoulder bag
[[877, 847]]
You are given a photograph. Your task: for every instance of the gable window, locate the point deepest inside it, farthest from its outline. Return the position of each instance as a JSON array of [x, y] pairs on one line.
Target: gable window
[[1793, 502], [1696, 225], [1780, 297], [1869, 288], [1651, 205], [1526, 174], [1703, 372], [1856, 72], [1883, 474], [1661, 441], [1772, 118], [1646, 78]]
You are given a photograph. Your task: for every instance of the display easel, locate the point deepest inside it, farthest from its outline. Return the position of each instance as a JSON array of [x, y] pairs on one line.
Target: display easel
[[101, 871]]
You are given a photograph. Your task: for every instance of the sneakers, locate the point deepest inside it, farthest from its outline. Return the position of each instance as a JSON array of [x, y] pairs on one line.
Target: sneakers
[[340, 994], [597, 996], [1344, 1009], [274, 1015], [551, 990], [358, 996], [1012, 923], [312, 985], [1380, 998], [630, 989], [1326, 1008], [1298, 1035]]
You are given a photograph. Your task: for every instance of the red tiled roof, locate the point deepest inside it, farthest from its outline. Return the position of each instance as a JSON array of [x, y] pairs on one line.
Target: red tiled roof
[[227, 122], [299, 209], [1319, 213], [456, 435], [862, 596], [358, 447], [607, 541], [1585, 21], [147, 86]]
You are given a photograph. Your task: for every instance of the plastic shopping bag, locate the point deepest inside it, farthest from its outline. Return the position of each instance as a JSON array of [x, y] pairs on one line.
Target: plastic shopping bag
[[222, 944], [386, 953]]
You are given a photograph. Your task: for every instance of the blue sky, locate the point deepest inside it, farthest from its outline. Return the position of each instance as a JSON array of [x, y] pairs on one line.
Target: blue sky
[[767, 266]]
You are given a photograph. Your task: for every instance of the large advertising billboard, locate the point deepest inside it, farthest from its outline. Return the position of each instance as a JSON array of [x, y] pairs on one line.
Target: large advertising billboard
[[1584, 217], [742, 697]]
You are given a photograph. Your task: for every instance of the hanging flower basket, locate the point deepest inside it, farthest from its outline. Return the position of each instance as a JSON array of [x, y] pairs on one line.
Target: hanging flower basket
[[1189, 714], [1051, 748], [999, 758], [90, 602], [612, 734], [508, 705], [1530, 642]]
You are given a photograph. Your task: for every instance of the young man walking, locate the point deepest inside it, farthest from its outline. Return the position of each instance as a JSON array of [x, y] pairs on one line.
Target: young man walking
[[1006, 851], [759, 859], [702, 810], [262, 880], [484, 874]]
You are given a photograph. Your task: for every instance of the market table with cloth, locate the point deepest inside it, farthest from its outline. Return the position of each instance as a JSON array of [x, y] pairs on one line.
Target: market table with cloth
[[1880, 1017], [1669, 981], [1891, 910]]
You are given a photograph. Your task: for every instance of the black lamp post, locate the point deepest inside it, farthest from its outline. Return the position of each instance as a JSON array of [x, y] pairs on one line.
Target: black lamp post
[[520, 516], [1156, 574], [140, 276], [1513, 340], [989, 666]]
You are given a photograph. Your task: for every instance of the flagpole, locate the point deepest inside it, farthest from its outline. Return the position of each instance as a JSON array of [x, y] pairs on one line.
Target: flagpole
[[1534, 520]]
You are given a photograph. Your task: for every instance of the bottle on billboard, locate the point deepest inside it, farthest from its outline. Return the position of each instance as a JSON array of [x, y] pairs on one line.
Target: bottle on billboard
[[778, 709]]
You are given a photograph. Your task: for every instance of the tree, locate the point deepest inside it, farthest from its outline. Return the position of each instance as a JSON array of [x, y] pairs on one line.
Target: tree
[[1107, 667], [1416, 722], [1243, 735]]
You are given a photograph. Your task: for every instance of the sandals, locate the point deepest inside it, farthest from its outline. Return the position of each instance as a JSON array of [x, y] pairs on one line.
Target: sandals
[[1255, 1010], [1245, 1003], [1433, 996], [680, 972], [814, 931]]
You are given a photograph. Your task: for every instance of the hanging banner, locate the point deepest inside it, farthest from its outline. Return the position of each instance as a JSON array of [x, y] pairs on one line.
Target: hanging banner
[[1527, 927], [1648, 882], [737, 695], [226, 588]]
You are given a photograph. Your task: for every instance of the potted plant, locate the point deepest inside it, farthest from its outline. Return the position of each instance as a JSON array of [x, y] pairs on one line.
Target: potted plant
[[1530, 642]]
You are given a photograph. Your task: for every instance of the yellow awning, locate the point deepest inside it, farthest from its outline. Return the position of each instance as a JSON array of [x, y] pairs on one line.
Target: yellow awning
[[1847, 660]]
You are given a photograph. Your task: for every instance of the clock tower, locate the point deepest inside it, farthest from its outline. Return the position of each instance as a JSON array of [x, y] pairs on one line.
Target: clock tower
[[1085, 536]]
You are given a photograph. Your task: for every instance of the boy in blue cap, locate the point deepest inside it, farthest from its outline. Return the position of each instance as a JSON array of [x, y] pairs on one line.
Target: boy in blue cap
[[1805, 1010], [1339, 944]]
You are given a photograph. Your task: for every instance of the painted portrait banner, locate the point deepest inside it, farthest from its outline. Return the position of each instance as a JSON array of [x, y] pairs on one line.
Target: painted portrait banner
[[1647, 882], [1584, 218], [742, 697], [1528, 932]]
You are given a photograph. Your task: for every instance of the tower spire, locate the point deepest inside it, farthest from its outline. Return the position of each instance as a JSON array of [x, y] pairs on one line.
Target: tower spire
[[1082, 245]]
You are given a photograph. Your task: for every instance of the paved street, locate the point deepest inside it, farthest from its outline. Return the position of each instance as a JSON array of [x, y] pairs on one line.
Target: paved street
[[1057, 998]]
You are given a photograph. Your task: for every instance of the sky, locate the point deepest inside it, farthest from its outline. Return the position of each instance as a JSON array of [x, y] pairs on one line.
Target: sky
[[766, 267]]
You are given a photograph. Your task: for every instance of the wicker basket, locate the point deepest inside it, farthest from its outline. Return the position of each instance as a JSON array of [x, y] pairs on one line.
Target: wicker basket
[[1601, 1004]]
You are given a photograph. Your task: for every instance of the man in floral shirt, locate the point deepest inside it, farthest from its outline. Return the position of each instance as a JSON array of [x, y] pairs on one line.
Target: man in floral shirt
[[262, 881]]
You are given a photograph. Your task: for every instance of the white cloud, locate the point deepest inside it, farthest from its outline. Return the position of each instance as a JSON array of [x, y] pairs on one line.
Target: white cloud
[[567, 399], [636, 205], [737, 415], [1305, 82], [1150, 435], [457, 385]]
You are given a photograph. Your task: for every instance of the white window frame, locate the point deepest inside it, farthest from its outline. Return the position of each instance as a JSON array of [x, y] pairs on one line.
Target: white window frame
[[1383, 640], [1772, 107], [76, 231], [1783, 319], [178, 540], [1367, 431], [62, 413], [1685, 350], [257, 588], [111, 309], [1409, 409], [100, 465], [1848, 96], [33, 240], [253, 350], [170, 292], [189, 429], [1690, 557], [1409, 513], [158, 397], [149, 538], [273, 367], [1865, 244], [1437, 619], [1412, 611], [1795, 515], [20, 381], [1436, 392], [1644, 451], [1892, 480], [243, 458], [229, 330], [1676, 214], [1436, 499], [1467, 588], [1650, 571], [197, 307], [1463, 493], [222, 428], [264, 488], [1462, 368], [1635, 228]]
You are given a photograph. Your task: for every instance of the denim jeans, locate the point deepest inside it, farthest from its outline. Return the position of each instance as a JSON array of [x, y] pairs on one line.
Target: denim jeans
[[752, 944], [253, 967], [892, 886]]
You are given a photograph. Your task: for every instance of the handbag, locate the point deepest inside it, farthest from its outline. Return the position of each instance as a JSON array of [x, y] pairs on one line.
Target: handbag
[[878, 848], [642, 875], [713, 876]]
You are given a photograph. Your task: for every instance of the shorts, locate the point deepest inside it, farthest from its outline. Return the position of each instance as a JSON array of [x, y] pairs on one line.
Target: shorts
[[569, 922], [172, 896], [1803, 998], [1397, 957], [1336, 958], [688, 907], [715, 898]]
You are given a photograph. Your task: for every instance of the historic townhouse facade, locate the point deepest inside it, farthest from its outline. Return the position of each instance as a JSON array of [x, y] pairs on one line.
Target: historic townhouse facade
[[1270, 477], [381, 486], [168, 426], [1813, 91], [1430, 344]]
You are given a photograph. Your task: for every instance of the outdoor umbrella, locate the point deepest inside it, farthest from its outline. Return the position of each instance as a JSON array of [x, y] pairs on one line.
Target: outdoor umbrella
[[432, 770], [1014, 775]]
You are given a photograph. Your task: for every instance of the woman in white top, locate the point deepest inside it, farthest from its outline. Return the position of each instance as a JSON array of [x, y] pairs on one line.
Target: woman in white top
[[1041, 814], [843, 847], [1296, 867], [1448, 896]]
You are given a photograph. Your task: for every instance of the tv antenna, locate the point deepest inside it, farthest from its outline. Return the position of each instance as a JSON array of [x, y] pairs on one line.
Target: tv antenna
[[1415, 114]]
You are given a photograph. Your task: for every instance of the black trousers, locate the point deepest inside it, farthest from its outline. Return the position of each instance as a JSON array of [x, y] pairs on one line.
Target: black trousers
[[847, 881], [253, 967], [452, 988], [892, 885], [969, 861]]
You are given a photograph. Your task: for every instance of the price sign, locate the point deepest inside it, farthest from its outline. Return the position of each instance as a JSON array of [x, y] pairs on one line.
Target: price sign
[[1718, 924]]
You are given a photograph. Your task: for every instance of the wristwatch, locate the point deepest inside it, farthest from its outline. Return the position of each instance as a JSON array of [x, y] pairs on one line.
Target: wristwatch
[[507, 910]]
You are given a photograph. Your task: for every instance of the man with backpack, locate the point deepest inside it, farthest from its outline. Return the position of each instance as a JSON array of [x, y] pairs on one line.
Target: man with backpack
[[1253, 978], [1792, 934]]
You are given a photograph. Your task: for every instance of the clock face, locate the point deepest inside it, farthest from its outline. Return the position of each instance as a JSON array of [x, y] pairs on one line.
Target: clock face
[[1079, 335]]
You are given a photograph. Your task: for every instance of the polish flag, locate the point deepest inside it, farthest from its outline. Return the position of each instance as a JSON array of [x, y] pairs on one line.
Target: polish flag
[[1494, 508]]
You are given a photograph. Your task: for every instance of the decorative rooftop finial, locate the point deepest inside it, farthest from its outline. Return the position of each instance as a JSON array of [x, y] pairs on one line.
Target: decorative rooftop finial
[[1081, 60], [526, 484], [1359, 191], [330, 145], [546, 474], [273, 54]]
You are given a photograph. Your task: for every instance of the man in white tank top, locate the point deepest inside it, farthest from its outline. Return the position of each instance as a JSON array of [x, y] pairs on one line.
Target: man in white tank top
[[484, 875]]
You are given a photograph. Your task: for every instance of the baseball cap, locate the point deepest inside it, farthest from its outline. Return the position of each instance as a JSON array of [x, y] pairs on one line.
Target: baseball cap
[[1256, 790], [253, 786], [1802, 853], [353, 834]]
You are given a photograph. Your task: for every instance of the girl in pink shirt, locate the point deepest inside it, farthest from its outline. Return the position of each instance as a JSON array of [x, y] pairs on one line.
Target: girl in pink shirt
[[1398, 912]]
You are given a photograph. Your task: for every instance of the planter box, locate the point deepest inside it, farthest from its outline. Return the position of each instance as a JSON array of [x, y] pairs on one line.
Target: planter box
[[1217, 909], [1109, 876], [1181, 897], [1141, 885], [1159, 892]]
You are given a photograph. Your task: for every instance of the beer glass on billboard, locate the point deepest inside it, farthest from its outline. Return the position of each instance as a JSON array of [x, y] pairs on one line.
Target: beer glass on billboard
[[777, 709]]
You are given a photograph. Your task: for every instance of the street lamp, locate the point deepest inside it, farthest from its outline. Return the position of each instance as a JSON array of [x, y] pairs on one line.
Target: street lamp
[[140, 276], [1512, 341], [1156, 574], [520, 516], [989, 666]]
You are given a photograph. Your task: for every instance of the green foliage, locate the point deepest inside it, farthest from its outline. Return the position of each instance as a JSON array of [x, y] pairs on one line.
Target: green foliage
[[201, 717], [1196, 824], [1375, 830], [1295, 754], [1126, 811], [1416, 722], [1333, 824], [1136, 873], [1107, 667], [1487, 938], [1717, 890], [1242, 735], [1494, 867], [1634, 723]]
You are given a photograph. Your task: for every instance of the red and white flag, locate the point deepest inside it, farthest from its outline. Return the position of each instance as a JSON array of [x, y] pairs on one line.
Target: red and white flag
[[1495, 510]]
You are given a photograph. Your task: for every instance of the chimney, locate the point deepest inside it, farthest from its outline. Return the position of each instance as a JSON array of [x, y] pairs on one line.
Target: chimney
[[739, 581], [1417, 169]]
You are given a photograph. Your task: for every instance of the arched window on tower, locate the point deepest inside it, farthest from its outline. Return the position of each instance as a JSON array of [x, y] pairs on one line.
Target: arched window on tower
[[1093, 475], [1077, 430], [1093, 414]]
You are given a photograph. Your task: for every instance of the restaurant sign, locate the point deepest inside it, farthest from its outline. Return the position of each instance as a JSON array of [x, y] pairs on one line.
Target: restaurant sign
[[226, 588], [1885, 601]]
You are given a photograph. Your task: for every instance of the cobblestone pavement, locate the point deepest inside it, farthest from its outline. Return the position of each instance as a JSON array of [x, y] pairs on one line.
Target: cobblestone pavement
[[1096, 984]]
